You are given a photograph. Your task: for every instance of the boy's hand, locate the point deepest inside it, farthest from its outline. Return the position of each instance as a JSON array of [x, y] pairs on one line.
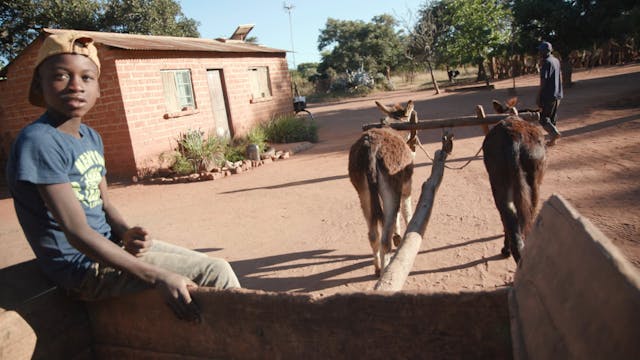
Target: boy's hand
[[135, 241], [175, 290]]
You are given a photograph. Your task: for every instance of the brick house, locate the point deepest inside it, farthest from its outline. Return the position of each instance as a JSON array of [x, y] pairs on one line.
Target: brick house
[[154, 88]]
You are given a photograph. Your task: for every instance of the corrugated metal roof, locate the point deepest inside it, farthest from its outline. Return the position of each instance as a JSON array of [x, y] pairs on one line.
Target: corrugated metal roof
[[170, 43]]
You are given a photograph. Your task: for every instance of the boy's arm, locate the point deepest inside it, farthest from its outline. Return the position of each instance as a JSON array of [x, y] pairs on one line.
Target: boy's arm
[[66, 209], [134, 239]]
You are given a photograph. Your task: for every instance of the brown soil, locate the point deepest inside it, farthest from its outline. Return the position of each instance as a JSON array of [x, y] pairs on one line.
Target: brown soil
[[296, 225]]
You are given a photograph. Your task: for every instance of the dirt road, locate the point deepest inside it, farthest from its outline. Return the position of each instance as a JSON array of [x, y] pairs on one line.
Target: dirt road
[[296, 225]]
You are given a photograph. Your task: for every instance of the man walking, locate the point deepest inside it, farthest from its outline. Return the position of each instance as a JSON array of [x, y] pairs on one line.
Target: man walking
[[550, 92]]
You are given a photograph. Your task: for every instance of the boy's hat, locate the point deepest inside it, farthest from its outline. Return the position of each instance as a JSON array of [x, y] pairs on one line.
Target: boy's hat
[[63, 42], [545, 47]]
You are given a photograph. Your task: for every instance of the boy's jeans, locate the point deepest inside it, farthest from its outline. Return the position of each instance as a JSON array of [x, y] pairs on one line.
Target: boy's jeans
[[104, 281]]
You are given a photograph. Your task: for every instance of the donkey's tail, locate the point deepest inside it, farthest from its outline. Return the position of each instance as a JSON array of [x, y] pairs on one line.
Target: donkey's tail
[[522, 196], [372, 179]]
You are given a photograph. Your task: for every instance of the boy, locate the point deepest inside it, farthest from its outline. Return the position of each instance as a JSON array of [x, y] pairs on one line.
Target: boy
[[56, 177]]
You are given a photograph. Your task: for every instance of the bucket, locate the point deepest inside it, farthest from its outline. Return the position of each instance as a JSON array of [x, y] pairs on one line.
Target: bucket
[[253, 152]]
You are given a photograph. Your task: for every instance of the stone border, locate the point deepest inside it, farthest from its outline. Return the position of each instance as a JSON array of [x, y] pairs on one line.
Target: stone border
[[282, 152]]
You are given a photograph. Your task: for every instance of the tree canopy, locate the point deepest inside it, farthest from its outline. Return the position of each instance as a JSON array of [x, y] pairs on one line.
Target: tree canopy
[[351, 45], [573, 25], [21, 20], [474, 30]]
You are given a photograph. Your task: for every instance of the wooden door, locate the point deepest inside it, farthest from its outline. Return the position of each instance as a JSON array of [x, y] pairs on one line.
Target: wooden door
[[218, 103]]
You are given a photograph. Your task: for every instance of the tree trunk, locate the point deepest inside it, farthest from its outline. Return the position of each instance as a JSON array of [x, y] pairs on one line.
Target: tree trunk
[[433, 78], [482, 73], [567, 72]]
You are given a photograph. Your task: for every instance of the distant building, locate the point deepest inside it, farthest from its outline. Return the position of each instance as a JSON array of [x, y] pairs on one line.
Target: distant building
[[154, 88]]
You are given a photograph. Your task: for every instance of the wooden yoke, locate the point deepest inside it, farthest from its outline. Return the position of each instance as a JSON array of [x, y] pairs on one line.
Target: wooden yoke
[[473, 120], [481, 116]]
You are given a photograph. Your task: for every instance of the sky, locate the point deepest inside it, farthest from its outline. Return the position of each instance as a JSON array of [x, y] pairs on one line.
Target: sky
[[271, 19]]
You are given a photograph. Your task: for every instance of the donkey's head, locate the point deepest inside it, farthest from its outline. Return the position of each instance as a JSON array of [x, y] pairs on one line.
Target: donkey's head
[[397, 113], [509, 106]]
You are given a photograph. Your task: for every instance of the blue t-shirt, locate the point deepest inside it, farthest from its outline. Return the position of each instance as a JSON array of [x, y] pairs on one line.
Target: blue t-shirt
[[551, 79], [43, 155]]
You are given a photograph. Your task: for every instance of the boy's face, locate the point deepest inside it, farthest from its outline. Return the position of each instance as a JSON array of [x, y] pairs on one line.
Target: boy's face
[[69, 84]]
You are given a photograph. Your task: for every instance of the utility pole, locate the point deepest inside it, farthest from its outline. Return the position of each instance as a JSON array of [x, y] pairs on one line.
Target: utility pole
[[288, 7]]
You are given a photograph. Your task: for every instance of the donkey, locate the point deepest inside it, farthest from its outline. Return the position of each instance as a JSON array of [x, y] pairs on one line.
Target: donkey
[[380, 169], [515, 158]]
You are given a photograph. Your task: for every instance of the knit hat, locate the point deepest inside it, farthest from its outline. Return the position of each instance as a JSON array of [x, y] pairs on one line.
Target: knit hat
[[545, 47], [63, 42]]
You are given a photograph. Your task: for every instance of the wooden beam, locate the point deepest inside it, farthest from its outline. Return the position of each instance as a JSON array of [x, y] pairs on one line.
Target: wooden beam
[[395, 274], [481, 115], [453, 122]]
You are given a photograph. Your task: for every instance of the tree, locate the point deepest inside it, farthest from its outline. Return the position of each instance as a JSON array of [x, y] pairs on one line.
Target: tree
[[374, 46], [148, 17], [16, 26], [22, 20], [422, 38], [574, 25], [475, 29], [308, 69]]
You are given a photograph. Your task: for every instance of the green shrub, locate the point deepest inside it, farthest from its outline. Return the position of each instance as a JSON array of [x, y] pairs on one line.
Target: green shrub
[[289, 128], [195, 152], [257, 135], [182, 166], [236, 151]]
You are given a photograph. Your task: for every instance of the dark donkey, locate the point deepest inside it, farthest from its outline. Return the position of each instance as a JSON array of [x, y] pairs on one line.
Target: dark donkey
[[380, 169], [515, 158]]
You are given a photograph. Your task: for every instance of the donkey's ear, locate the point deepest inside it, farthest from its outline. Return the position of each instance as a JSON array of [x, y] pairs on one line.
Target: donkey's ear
[[384, 108], [409, 109], [512, 102], [497, 106]]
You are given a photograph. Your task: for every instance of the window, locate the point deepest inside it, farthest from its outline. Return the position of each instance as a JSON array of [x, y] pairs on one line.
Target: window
[[260, 85], [178, 92]]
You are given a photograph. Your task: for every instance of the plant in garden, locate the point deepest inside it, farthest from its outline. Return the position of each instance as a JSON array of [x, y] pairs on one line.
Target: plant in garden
[[257, 135], [289, 128], [195, 152]]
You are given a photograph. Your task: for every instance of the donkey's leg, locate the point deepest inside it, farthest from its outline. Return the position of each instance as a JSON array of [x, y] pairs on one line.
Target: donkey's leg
[[372, 224], [512, 237], [503, 198], [407, 213], [390, 208], [370, 208], [517, 244]]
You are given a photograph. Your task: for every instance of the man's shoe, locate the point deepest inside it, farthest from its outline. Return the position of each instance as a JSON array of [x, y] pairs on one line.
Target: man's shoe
[[553, 138]]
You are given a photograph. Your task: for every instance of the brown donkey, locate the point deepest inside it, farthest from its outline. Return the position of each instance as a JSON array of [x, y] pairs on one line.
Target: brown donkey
[[380, 169], [515, 158]]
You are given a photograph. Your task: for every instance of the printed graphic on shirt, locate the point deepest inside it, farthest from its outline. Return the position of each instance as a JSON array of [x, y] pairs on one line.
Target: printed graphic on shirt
[[90, 164]]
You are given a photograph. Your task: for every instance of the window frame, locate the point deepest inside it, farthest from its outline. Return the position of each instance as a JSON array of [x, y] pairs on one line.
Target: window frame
[[260, 83], [177, 88]]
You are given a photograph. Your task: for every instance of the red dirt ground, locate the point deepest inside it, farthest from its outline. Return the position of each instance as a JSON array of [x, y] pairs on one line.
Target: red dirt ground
[[296, 225]]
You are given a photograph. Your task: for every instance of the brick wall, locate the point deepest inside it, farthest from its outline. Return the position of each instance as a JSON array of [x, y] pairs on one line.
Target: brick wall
[[142, 92], [15, 110], [130, 114]]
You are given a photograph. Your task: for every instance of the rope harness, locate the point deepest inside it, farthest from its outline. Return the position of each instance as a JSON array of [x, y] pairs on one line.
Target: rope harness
[[414, 139]]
